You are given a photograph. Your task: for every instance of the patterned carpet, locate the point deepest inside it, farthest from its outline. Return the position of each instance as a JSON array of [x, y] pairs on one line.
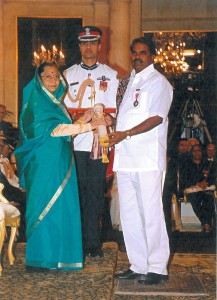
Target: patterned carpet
[[96, 281], [195, 267], [179, 284]]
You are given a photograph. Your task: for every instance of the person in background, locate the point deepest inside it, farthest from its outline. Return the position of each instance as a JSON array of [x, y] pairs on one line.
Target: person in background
[[174, 182], [140, 143], [201, 198], [5, 164], [2, 141], [47, 172], [12, 190], [182, 146], [191, 142], [211, 152], [6, 127], [211, 162], [91, 82], [17, 197]]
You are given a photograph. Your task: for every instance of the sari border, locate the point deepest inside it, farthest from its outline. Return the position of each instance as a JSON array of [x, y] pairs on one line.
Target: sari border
[[55, 265], [53, 98], [52, 200]]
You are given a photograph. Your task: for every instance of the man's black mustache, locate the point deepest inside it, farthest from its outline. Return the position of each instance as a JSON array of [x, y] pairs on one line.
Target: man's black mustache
[[137, 60]]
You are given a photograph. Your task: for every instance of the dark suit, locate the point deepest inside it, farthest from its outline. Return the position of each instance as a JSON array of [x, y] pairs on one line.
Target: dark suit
[[202, 202], [8, 130]]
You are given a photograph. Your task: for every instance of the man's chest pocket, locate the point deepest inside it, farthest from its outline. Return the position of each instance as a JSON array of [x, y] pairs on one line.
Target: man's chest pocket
[[139, 103]]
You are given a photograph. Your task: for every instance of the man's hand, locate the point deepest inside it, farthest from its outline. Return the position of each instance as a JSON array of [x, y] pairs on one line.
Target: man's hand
[[116, 137], [150, 123], [110, 121]]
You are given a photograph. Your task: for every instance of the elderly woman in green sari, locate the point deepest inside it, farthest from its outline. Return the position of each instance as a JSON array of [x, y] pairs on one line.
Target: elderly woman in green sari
[[47, 172]]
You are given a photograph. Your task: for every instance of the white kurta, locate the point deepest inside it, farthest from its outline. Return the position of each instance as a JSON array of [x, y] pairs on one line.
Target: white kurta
[[147, 151], [103, 90], [140, 163]]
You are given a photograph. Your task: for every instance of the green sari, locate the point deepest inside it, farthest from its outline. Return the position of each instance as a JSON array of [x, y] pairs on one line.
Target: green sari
[[47, 171]]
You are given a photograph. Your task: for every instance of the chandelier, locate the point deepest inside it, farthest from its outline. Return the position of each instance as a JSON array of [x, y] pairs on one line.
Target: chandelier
[[45, 55], [173, 47]]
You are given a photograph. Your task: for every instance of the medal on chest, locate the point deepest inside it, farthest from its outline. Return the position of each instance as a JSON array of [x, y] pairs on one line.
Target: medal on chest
[[136, 100], [103, 85]]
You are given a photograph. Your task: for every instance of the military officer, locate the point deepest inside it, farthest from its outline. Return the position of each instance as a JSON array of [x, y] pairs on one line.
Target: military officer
[[90, 82]]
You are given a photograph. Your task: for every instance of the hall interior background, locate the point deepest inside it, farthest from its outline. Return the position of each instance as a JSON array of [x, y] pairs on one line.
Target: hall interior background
[[121, 21]]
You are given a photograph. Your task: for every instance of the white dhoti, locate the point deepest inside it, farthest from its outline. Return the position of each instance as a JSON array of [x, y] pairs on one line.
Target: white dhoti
[[142, 220]]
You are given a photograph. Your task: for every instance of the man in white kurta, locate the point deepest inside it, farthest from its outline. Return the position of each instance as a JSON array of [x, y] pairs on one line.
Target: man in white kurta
[[140, 163]]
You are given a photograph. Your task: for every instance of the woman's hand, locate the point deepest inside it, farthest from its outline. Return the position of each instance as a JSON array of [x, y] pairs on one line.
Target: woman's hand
[[97, 122], [87, 116]]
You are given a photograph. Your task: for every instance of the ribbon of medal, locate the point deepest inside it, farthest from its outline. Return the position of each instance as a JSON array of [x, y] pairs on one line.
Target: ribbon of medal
[[136, 102]]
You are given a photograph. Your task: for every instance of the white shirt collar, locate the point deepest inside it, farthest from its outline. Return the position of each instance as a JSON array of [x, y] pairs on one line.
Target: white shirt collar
[[144, 73]]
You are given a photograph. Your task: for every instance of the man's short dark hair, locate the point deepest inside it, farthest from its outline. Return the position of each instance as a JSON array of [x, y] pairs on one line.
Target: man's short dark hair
[[149, 42], [182, 139]]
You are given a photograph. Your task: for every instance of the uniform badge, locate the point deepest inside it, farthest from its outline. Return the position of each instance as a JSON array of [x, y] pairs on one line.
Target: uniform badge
[[87, 30], [74, 83]]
